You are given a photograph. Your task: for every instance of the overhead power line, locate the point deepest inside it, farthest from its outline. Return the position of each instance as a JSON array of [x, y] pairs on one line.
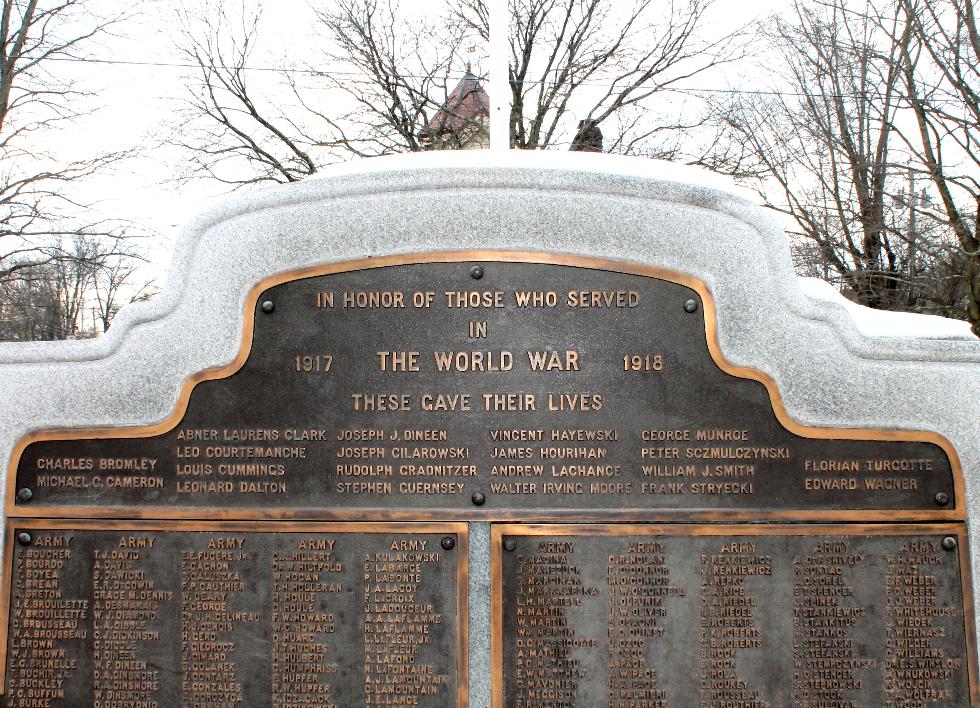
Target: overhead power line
[[336, 73]]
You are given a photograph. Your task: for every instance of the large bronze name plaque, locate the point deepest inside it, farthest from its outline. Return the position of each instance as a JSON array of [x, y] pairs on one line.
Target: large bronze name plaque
[[213, 559], [731, 616], [484, 389], [221, 614]]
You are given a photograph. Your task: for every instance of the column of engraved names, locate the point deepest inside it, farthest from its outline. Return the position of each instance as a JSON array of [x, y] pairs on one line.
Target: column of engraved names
[[414, 461], [46, 628], [126, 605], [918, 667], [304, 579], [827, 667], [639, 592], [556, 462], [731, 632], [211, 584], [702, 462], [550, 591], [398, 621], [253, 462]]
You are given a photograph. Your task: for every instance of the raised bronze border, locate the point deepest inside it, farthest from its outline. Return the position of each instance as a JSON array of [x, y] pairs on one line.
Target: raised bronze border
[[498, 531], [462, 564], [956, 513]]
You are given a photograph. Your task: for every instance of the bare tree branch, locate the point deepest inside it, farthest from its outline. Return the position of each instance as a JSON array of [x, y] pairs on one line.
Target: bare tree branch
[[37, 209], [825, 153], [231, 131], [941, 73], [590, 59], [384, 77], [396, 74]]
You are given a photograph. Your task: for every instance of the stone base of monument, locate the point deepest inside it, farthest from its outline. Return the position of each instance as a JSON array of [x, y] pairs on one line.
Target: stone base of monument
[[513, 430]]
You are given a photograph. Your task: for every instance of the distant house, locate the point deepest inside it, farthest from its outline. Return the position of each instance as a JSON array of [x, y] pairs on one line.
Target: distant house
[[463, 121]]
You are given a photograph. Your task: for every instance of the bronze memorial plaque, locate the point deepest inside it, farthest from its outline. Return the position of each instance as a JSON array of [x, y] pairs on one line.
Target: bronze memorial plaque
[[741, 616], [408, 393], [483, 385], [121, 613]]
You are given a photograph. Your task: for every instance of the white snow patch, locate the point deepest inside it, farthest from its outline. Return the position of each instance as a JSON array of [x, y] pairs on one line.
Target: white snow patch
[[882, 323], [625, 166]]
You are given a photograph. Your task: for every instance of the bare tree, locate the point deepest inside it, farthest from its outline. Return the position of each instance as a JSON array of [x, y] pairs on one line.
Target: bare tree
[[395, 74], [37, 210], [30, 307], [113, 285], [386, 81], [821, 148], [73, 278], [384, 77], [63, 299], [233, 126], [941, 72], [589, 60]]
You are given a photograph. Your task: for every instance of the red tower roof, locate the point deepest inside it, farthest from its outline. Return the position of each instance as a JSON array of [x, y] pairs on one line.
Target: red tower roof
[[466, 105]]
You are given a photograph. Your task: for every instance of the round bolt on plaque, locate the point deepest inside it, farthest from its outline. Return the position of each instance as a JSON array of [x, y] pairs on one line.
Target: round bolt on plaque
[[476, 272], [509, 544], [942, 498], [949, 543], [479, 498], [691, 306], [24, 538], [25, 494], [448, 543], [268, 307]]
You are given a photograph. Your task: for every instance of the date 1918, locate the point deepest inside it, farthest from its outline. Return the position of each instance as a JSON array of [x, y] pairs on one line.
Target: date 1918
[[643, 362]]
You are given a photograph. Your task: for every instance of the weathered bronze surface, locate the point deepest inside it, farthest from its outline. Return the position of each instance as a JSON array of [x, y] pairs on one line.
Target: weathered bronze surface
[[185, 613], [731, 616], [500, 386], [555, 391]]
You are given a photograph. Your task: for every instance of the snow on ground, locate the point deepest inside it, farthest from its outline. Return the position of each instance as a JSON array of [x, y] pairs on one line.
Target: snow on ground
[[881, 323]]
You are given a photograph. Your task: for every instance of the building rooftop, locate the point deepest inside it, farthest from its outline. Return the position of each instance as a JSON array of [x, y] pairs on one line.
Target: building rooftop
[[466, 106]]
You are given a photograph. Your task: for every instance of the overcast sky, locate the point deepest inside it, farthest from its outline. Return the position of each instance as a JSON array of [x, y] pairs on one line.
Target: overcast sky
[[137, 101]]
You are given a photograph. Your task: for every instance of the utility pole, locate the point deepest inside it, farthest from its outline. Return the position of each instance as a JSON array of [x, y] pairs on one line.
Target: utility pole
[[912, 234]]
